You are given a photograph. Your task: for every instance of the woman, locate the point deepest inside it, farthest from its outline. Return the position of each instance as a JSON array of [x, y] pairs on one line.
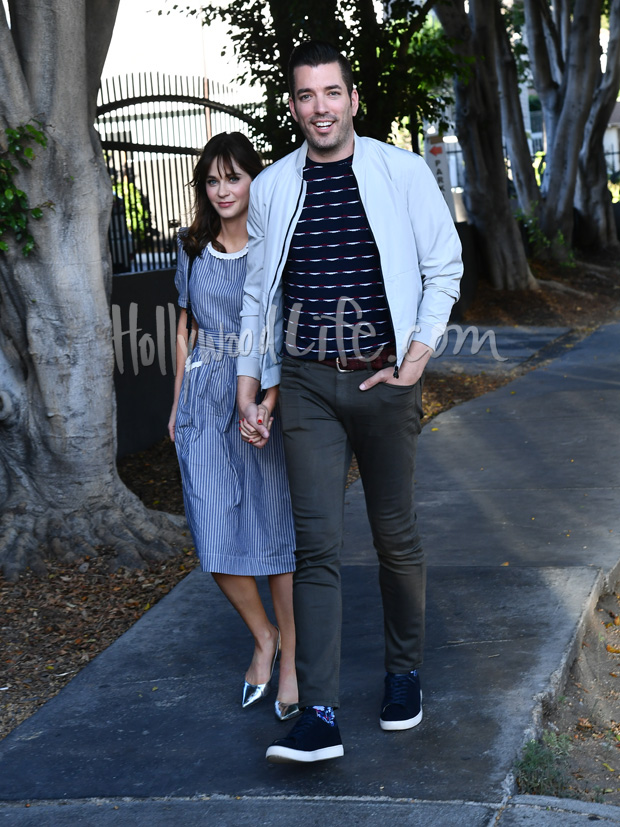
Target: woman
[[236, 497]]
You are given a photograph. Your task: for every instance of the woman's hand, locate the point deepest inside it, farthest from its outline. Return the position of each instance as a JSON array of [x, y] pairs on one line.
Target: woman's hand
[[250, 434], [172, 421]]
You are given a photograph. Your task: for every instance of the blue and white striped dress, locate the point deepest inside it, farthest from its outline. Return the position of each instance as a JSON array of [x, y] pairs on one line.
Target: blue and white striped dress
[[236, 497]]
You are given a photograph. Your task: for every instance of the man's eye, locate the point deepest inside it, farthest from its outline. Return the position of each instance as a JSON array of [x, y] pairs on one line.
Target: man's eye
[[304, 97]]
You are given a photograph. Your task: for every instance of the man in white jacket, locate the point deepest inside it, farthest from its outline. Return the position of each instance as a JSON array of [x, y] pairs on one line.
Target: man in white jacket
[[353, 267]]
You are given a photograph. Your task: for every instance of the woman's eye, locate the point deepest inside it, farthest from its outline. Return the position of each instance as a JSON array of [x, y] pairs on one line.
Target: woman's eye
[[233, 179], [211, 182]]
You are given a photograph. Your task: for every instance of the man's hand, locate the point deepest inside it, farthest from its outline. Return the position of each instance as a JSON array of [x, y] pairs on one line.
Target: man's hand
[[254, 420], [250, 434], [409, 372]]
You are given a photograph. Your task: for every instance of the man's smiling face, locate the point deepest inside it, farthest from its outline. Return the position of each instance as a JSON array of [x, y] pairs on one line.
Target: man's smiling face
[[324, 111]]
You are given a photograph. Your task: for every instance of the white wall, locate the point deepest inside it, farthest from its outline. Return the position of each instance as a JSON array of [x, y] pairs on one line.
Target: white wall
[[174, 44]]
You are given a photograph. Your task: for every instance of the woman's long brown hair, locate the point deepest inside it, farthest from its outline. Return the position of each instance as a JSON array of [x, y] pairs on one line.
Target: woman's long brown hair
[[225, 148]]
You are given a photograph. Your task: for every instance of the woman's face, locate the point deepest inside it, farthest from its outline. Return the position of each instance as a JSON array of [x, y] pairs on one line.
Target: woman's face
[[228, 190]]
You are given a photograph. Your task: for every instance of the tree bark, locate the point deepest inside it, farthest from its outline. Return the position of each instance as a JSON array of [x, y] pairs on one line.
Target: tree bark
[[513, 125], [596, 225], [478, 125], [59, 489], [564, 75]]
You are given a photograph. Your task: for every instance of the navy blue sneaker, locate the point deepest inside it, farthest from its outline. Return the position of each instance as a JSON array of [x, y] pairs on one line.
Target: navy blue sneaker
[[402, 702], [311, 739]]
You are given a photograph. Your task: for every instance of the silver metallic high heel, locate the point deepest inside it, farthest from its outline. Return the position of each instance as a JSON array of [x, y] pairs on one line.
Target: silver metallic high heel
[[284, 712], [254, 692]]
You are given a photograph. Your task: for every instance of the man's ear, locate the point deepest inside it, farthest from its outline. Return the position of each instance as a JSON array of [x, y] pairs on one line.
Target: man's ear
[[291, 106], [355, 102]]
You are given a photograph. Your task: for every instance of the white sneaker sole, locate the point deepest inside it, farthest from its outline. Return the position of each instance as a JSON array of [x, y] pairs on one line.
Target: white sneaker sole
[[407, 724], [286, 755]]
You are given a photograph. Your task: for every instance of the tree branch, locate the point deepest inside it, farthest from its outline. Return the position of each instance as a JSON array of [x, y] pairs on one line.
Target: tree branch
[[544, 81], [583, 61], [554, 41], [561, 14], [512, 117], [607, 89]]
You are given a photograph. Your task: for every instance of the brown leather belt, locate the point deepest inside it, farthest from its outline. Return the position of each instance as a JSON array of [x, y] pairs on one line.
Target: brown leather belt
[[386, 359]]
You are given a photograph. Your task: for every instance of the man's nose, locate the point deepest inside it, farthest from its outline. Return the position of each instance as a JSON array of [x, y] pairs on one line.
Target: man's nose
[[321, 104]]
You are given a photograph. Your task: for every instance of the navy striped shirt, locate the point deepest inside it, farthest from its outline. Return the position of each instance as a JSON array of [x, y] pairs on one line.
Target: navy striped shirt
[[334, 296]]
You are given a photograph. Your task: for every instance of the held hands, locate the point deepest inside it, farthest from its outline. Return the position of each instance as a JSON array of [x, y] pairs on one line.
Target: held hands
[[255, 420], [258, 434]]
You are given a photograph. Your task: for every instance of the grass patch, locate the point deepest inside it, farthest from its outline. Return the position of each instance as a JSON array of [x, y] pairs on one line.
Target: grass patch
[[543, 768]]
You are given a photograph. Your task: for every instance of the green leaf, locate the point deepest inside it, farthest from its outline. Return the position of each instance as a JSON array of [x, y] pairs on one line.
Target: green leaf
[[15, 209]]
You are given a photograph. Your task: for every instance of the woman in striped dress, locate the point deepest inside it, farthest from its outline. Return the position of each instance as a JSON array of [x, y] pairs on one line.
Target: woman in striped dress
[[235, 490]]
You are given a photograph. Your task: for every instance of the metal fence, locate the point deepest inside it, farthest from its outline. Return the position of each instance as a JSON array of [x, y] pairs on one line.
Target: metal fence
[[612, 159], [152, 127]]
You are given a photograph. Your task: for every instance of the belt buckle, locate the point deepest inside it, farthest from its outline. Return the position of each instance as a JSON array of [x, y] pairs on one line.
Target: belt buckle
[[341, 369]]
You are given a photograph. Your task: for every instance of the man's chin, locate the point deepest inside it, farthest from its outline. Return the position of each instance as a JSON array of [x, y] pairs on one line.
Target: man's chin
[[327, 143]]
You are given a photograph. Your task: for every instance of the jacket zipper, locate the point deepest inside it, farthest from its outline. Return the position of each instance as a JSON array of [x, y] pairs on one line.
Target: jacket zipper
[[285, 238]]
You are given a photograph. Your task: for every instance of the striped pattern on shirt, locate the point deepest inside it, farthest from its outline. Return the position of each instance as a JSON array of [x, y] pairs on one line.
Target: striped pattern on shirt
[[334, 296]]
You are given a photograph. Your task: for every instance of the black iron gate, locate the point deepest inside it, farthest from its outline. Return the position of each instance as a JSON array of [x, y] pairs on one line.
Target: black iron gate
[[152, 127]]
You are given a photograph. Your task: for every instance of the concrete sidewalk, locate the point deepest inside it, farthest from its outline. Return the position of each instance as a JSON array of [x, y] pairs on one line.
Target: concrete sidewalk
[[518, 507]]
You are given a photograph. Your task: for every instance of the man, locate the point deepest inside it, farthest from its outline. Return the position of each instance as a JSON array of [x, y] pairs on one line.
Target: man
[[353, 267]]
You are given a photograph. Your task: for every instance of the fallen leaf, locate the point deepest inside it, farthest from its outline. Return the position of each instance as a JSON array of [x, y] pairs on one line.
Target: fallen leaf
[[615, 650]]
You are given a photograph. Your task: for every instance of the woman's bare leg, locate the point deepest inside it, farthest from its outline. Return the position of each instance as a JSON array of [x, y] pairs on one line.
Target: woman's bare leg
[[281, 586], [243, 594]]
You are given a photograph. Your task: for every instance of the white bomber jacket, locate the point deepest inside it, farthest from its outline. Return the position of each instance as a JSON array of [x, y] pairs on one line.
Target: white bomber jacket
[[418, 246]]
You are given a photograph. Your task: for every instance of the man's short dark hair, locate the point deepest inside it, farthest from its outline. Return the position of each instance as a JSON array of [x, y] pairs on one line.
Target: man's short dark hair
[[317, 53]]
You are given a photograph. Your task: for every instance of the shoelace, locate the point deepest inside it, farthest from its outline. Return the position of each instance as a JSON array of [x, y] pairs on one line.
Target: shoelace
[[304, 723], [397, 689]]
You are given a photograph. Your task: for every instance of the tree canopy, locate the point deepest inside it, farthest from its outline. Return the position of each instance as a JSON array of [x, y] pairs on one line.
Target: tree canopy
[[402, 62]]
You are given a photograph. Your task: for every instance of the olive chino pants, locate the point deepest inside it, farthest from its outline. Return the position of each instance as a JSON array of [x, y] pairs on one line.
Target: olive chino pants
[[325, 417]]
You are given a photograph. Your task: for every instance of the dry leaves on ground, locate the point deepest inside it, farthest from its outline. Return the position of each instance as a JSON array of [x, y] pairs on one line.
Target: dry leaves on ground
[[588, 710]]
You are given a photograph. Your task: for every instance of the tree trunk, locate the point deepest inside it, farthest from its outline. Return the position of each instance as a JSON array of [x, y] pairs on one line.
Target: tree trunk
[[564, 75], [478, 125], [59, 490], [596, 225], [513, 125]]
